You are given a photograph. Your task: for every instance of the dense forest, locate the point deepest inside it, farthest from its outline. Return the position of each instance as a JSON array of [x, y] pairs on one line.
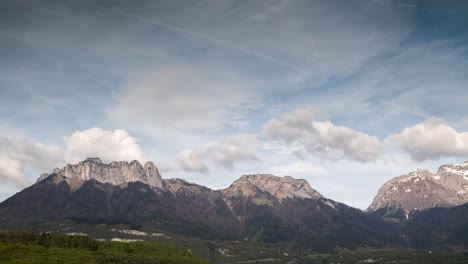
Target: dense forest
[[28, 247]]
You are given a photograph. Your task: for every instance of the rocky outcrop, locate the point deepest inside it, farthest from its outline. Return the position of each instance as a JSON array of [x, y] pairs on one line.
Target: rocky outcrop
[[175, 185], [421, 189], [454, 177], [116, 172], [280, 187]]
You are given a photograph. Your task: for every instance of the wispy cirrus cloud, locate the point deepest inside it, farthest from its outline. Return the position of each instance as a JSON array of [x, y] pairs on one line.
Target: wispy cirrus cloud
[[178, 97]]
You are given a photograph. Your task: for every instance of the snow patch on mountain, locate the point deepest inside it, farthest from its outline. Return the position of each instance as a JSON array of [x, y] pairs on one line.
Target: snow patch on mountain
[[422, 189]]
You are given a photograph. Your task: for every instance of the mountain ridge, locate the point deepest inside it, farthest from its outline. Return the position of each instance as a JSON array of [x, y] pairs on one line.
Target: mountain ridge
[[417, 190], [259, 207], [121, 172]]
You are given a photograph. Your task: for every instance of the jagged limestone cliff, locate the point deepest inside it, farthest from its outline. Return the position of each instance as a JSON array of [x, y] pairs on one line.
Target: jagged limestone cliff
[[116, 172]]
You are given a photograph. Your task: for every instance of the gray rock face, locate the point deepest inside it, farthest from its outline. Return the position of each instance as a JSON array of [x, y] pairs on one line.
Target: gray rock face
[[280, 187], [116, 172], [422, 189]]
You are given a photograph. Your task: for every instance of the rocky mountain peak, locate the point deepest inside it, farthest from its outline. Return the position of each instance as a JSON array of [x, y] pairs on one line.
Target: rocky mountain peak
[[421, 189], [420, 173], [116, 172], [280, 187], [91, 160], [460, 169]]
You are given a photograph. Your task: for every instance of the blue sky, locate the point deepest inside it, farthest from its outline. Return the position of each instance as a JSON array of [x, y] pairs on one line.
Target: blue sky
[[345, 94]]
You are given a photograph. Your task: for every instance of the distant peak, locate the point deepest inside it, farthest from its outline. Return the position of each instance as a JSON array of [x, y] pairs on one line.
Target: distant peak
[[254, 177], [268, 177], [421, 189], [176, 184], [281, 187], [149, 164], [458, 168], [178, 180], [93, 160], [419, 173]]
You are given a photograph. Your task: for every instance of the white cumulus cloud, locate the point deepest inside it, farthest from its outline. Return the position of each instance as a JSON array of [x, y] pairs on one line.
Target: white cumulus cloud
[[19, 152], [191, 160], [223, 154], [431, 140], [11, 171], [307, 136], [107, 145]]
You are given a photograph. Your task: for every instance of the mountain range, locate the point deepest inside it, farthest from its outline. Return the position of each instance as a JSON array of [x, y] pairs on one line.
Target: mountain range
[[420, 209]]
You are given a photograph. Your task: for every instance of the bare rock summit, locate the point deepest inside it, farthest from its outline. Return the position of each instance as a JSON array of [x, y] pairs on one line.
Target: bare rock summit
[[116, 172], [421, 189], [280, 187]]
